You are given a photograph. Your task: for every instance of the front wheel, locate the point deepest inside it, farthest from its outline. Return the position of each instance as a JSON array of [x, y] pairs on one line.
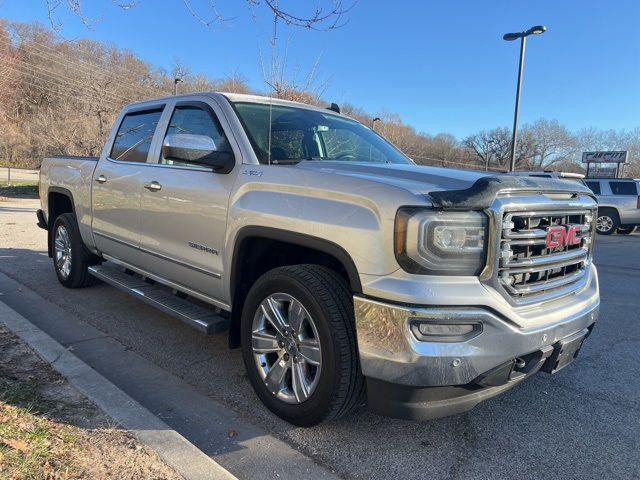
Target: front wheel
[[607, 222], [299, 344], [70, 259]]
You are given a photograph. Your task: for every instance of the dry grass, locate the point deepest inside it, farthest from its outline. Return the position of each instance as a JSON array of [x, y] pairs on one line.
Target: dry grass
[[49, 431]]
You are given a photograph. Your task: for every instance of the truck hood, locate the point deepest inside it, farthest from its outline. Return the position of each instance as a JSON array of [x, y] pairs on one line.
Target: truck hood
[[446, 187], [419, 179]]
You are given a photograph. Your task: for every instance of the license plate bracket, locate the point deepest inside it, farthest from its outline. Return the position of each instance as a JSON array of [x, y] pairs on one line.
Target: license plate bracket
[[565, 352]]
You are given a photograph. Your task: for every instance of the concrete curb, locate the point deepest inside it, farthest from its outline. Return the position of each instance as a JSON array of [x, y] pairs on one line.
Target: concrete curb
[[172, 447]]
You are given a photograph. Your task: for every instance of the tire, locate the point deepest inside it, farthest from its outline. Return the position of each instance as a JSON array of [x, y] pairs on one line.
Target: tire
[[299, 344], [625, 230], [70, 258], [607, 222]]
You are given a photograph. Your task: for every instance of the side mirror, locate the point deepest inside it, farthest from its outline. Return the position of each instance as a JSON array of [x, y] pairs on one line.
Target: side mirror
[[198, 149]]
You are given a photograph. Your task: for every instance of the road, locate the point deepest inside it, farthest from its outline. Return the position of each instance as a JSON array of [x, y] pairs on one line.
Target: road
[[582, 423]]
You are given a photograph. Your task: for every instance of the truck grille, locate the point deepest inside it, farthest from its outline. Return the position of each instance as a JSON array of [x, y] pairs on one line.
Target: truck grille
[[543, 255]]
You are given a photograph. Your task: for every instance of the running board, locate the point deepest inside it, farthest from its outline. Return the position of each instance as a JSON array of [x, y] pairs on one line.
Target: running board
[[202, 319]]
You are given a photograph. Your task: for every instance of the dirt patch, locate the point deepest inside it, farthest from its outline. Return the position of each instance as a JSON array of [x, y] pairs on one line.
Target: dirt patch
[[49, 430]]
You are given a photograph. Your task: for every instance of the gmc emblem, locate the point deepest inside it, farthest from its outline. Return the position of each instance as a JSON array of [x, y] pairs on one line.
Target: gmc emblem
[[561, 235]]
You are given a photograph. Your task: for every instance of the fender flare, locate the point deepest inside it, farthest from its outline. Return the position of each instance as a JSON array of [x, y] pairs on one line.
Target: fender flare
[[295, 238]]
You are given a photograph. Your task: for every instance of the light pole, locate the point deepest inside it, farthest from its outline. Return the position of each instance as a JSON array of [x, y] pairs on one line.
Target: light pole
[[373, 122], [537, 30], [176, 81], [487, 157]]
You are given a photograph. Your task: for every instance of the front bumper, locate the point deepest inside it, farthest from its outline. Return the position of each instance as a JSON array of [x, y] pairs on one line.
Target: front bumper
[[413, 378]]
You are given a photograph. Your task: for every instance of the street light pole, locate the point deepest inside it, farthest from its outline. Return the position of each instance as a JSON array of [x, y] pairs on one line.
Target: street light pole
[[176, 81], [373, 123], [537, 30], [487, 157]]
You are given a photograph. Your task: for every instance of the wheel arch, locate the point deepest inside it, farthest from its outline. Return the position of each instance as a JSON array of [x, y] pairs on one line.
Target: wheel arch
[[59, 201], [609, 210], [259, 249]]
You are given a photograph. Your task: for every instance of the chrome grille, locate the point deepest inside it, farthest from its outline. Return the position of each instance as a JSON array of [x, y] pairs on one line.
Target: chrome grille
[[543, 254]]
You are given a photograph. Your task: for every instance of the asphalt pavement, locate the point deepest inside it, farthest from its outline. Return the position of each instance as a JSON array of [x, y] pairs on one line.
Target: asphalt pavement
[[583, 422]]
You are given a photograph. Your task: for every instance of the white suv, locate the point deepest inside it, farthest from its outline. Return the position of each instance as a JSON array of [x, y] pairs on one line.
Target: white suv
[[618, 204]]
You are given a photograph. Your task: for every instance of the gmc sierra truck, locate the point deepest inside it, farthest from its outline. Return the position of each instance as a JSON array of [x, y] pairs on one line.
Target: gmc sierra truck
[[340, 267]]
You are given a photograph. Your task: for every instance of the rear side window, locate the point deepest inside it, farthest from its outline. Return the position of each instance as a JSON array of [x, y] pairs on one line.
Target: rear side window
[[134, 136], [594, 186], [624, 188]]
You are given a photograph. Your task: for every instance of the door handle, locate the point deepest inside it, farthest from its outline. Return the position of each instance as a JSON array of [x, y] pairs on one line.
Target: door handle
[[101, 179], [153, 186]]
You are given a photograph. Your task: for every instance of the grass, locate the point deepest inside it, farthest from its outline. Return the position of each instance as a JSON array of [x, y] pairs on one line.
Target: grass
[[34, 444], [34, 447], [49, 431], [18, 189]]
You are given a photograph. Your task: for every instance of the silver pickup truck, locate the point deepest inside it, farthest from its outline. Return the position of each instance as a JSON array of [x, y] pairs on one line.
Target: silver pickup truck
[[339, 267]]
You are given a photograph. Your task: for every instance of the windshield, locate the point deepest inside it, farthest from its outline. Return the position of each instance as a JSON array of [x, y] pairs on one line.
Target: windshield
[[298, 134]]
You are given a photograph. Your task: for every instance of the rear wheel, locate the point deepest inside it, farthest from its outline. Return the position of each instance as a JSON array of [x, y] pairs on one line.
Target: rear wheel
[[626, 230], [299, 344], [70, 259], [607, 222]]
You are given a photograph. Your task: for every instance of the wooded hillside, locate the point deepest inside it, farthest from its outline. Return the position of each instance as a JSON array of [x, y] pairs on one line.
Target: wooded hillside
[[62, 97]]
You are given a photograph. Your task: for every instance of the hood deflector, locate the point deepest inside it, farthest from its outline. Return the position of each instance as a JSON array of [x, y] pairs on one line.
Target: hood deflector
[[484, 191]]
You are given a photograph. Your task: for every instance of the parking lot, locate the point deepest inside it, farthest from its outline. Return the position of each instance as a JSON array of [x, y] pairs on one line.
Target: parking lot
[[583, 422]]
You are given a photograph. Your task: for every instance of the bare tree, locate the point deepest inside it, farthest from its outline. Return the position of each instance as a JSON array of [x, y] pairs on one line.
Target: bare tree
[[327, 15], [489, 150], [546, 143], [286, 82]]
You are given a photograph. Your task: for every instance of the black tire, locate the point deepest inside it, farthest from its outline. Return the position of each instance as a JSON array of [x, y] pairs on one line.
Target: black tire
[[608, 221], [626, 230], [70, 258], [309, 374]]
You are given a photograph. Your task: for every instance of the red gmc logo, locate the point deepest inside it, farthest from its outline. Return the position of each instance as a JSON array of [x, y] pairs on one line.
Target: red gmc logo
[[563, 235]]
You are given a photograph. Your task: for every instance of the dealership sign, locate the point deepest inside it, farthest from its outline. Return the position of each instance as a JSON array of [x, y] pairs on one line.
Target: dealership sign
[[603, 172], [604, 157]]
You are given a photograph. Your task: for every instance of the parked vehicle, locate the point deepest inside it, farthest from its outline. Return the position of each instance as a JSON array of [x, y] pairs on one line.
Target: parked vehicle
[[618, 204], [332, 259]]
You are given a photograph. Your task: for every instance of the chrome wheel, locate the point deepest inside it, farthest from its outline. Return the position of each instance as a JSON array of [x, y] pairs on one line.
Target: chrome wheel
[[62, 252], [607, 222], [299, 344], [286, 348], [604, 224]]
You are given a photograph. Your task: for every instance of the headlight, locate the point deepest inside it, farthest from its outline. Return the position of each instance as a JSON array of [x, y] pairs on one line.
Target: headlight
[[440, 243]]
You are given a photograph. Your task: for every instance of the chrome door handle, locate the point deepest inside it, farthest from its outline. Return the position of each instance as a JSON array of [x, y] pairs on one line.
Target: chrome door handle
[[101, 179], [153, 186]]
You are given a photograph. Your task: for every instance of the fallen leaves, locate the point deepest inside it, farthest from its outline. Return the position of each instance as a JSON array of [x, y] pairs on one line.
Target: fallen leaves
[[19, 445]]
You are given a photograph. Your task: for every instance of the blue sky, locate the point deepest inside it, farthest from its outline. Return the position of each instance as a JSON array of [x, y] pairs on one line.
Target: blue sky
[[441, 65]]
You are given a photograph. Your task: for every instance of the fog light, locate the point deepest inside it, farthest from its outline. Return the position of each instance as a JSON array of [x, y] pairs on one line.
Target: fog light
[[444, 332]]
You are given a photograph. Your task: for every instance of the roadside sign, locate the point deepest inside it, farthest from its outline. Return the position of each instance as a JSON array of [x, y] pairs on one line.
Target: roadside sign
[[603, 172], [604, 157]]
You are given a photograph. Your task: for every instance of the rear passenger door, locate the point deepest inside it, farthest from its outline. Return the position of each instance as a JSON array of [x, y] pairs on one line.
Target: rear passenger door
[[625, 194], [117, 184], [184, 207]]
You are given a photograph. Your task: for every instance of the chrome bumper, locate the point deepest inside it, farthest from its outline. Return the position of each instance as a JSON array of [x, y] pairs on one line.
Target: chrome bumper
[[391, 351]]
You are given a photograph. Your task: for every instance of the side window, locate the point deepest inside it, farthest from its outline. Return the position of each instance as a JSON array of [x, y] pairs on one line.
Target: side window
[[594, 186], [624, 188], [194, 120], [134, 136]]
